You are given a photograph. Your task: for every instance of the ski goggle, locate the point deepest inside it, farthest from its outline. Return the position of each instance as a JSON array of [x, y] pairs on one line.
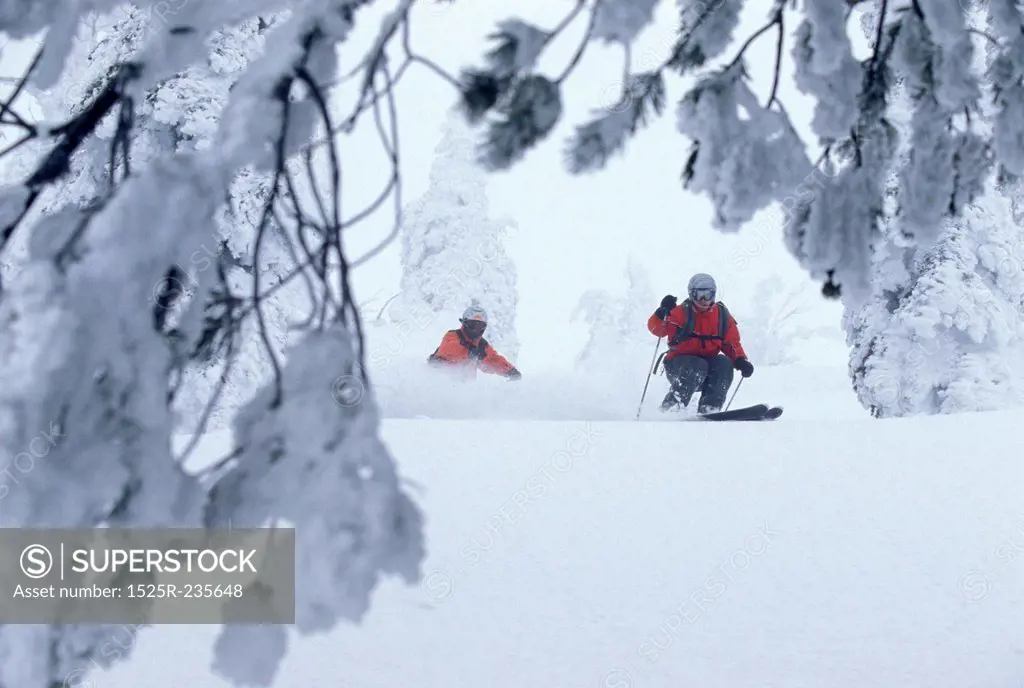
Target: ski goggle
[[703, 294], [474, 326]]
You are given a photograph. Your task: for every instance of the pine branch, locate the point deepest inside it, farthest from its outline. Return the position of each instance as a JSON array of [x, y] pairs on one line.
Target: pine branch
[[525, 119], [690, 168], [518, 46], [580, 48], [481, 90], [686, 56], [776, 20], [596, 141], [778, 59]]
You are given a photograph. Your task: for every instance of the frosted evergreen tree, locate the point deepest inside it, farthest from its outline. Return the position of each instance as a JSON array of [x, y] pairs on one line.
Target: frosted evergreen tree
[[452, 250], [911, 350], [955, 331], [618, 324], [180, 114], [771, 328]]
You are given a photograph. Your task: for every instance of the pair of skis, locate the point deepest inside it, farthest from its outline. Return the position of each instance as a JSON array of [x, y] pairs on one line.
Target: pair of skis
[[756, 412]]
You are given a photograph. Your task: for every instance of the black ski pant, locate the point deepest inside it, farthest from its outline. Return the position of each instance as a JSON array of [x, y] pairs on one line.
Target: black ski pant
[[712, 375]]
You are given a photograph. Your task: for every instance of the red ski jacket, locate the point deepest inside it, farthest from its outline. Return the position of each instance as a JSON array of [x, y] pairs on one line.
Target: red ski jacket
[[693, 332]]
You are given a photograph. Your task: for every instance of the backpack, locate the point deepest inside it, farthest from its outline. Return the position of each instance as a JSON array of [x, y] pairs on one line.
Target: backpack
[[686, 331]]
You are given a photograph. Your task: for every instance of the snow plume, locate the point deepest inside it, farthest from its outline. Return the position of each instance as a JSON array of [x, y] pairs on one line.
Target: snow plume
[[99, 325], [407, 387], [948, 340]]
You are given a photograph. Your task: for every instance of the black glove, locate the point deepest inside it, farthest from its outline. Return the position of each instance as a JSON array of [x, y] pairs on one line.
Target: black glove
[[667, 304], [744, 366], [514, 374]]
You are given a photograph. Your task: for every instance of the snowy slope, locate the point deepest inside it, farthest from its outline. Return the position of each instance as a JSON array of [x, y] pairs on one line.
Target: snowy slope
[[842, 552]]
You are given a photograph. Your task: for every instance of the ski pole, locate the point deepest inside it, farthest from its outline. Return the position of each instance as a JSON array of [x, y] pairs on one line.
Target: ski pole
[[734, 393], [654, 362]]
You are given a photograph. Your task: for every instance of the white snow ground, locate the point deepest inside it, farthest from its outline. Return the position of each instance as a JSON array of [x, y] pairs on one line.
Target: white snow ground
[[826, 549]]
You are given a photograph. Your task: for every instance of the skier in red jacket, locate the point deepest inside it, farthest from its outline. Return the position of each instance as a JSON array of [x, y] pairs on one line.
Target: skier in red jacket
[[704, 346]]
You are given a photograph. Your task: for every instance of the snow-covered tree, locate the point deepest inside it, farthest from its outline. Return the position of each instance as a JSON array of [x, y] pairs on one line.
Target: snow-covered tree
[[180, 114], [452, 249], [947, 336], [129, 215], [908, 355], [618, 324], [771, 328]]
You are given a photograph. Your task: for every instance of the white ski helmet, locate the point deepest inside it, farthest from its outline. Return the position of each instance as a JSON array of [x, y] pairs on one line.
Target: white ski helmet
[[701, 282], [474, 313]]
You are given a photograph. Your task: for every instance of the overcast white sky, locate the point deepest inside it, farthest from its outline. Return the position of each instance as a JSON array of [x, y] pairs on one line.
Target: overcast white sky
[[575, 232]]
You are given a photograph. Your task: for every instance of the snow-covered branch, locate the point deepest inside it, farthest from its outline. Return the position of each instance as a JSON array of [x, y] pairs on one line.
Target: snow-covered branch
[[738, 143], [160, 242]]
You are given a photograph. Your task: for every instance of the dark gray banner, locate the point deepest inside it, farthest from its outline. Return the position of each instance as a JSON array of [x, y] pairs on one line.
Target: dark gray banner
[[147, 576]]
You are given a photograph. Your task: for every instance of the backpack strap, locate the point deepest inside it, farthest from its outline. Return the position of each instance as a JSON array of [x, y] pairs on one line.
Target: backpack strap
[[686, 331], [723, 320]]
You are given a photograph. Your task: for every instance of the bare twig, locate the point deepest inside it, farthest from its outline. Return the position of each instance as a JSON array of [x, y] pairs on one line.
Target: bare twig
[[776, 20]]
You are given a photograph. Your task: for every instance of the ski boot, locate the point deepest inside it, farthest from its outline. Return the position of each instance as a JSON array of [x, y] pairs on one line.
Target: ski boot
[[671, 402]]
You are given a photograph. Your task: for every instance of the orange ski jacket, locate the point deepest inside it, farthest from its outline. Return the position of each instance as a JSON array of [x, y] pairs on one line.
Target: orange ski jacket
[[458, 349]]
